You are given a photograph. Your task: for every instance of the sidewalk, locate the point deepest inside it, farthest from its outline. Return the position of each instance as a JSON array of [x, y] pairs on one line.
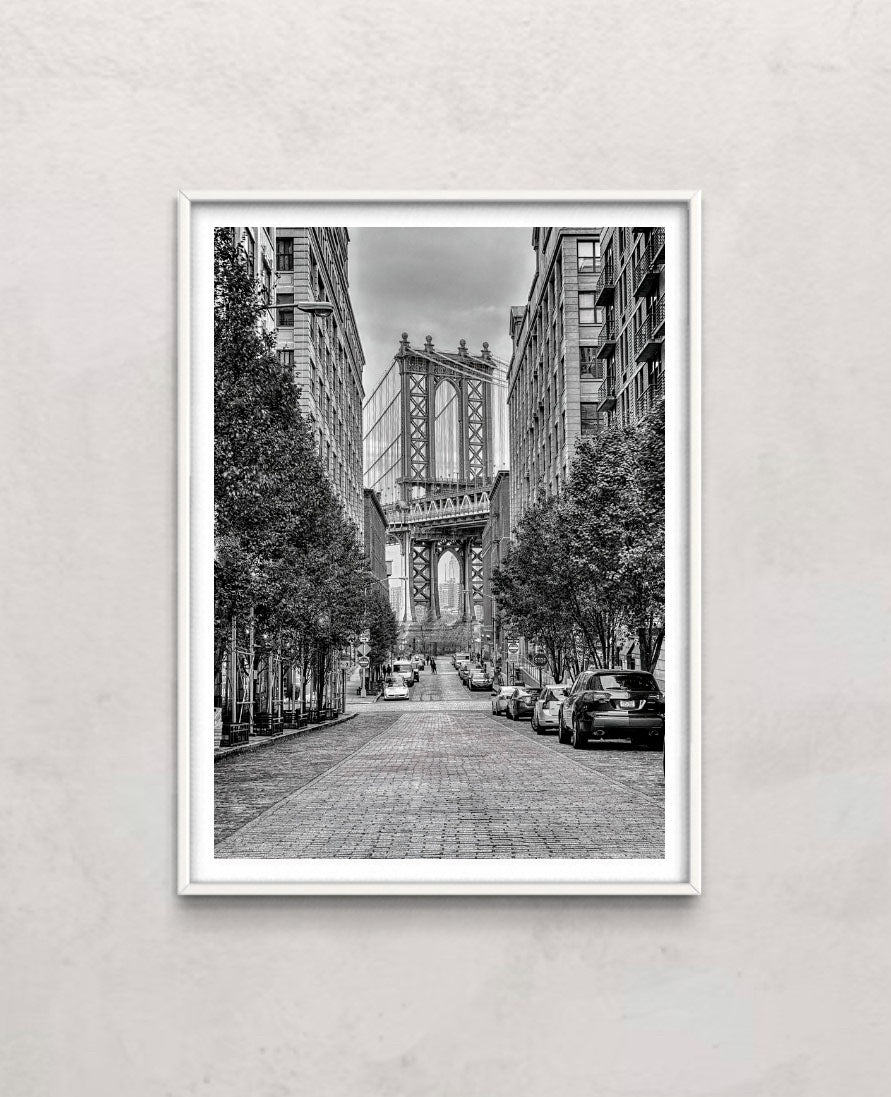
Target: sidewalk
[[256, 742], [354, 699]]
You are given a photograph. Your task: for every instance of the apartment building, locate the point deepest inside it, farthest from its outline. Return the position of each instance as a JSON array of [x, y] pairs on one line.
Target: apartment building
[[324, 351], [258, 246], [630, 291], [376, 538], [555, 374], [496, 542]]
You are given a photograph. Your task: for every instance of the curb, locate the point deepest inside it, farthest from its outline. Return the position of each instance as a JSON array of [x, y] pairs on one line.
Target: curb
[[268, 740]]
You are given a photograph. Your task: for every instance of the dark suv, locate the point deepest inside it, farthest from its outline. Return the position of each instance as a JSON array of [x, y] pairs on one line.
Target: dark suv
[[613, 704]]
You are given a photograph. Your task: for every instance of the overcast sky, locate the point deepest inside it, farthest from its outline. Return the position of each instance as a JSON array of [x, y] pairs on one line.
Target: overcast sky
[[448, 283]]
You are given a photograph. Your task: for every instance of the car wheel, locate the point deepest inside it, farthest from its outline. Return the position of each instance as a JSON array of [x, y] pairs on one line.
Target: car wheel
[[561, 729], [578, 740]]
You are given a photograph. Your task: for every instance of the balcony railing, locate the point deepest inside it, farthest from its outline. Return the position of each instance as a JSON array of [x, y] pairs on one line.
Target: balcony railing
[[651, 396], [606, 397], [605, 289], [648, 340], [606, 339], [649, 267]]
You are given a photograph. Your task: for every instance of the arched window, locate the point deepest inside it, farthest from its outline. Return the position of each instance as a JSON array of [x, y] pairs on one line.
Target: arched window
[[446, 434]]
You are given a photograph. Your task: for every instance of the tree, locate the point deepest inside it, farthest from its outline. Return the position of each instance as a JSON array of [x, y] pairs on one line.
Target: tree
[[535, 586], [286, 556]]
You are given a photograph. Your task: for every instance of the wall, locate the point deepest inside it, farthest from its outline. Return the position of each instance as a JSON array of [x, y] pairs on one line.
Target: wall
[[775, 980]]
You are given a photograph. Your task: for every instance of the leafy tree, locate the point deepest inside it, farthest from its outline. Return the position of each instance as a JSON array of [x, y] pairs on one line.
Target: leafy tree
[[286, 556]]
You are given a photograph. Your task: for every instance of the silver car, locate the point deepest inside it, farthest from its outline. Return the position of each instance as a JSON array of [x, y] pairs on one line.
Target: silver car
[[546, 714], [500, 697]]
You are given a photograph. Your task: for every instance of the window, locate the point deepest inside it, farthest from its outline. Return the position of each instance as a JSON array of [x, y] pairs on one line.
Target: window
[[589, 362], [284, 253], [599, 314], [267, 281], [590, 419], [587, 312], [285, 315], [286, 359], [585, 251], [249, 251]]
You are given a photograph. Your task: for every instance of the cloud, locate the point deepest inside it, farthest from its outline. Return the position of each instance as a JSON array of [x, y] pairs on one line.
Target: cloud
[[450, 284]]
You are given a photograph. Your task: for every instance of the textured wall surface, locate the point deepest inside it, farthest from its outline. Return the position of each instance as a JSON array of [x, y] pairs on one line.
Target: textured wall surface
[[775, 980]]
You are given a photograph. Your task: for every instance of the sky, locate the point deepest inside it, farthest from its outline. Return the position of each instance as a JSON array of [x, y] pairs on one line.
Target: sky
[[455, 283]]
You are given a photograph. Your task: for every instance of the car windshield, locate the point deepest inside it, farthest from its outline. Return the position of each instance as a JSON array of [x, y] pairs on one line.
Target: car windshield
[[556, 692], [636, 683], [508, 691], [530, 691], [394, 682]]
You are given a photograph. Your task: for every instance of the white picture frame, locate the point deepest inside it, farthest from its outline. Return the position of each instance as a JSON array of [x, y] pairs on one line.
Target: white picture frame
[[197, 872]]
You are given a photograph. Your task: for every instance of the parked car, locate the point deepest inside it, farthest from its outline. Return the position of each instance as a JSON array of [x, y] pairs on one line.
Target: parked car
[[613, 704], [479, 679], [466, 669], [546, 713], [522, 702], [405, 667], [500, 697], [395, 688], [459, 658]]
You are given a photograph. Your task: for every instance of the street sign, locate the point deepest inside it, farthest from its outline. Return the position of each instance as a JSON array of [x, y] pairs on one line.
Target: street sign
[[513, 647], [364, 637], [345, 664], [364, 649], [364, 661], [540, 659]]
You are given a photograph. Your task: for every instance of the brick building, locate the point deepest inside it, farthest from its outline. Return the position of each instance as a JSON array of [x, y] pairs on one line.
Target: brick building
[[496, 542], [555, 375], [311, 265], [631, 291], [375, 534]]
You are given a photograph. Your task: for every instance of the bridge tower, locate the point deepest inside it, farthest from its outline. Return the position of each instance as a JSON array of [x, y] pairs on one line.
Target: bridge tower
[[438, 497]]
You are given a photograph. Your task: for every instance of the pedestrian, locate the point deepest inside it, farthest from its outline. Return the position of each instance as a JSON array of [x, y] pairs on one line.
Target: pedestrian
[[432, 664]]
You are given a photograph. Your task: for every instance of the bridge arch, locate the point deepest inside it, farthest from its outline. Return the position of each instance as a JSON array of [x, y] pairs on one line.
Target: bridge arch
[[447, 441]]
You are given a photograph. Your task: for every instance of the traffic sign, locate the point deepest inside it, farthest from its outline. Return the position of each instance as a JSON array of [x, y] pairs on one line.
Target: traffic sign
[[540, 659], [345, 664], [513, 647], [364, 661], [365, 636], [364, 649]]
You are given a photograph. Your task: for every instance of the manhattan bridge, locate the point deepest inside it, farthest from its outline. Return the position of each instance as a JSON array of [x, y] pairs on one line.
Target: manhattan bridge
[[435, 436]]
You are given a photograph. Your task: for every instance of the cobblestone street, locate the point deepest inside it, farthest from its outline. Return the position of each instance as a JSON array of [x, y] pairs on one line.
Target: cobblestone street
[[438, 776]]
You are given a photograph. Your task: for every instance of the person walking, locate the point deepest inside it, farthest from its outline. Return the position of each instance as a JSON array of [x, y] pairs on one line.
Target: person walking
[[432, 665]]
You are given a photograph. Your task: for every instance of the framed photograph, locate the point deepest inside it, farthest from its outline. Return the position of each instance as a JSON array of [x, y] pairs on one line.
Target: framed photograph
[[439, 556]]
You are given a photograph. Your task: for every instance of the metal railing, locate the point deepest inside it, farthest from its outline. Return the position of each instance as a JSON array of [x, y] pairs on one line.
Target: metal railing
[[607, 279], [651, 330], [651, 396], [650, 259]]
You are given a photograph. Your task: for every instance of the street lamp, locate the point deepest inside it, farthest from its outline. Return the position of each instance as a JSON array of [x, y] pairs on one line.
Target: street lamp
[[314, 308]]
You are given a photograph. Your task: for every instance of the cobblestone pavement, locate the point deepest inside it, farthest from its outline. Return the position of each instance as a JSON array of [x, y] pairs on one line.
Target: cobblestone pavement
[[438, 776], [246, 785]]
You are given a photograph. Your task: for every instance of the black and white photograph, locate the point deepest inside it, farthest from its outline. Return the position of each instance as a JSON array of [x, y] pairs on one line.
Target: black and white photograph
[[440, 630]]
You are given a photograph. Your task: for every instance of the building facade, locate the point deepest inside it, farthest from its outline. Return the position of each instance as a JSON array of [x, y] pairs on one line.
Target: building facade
[[324, 351], [555, 373], [375, 533], [496, 543], [631, 292]]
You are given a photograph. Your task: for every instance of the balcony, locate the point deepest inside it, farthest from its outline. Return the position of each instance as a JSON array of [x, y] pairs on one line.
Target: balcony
[[606, 398], [651, 335], [651, 396], [606, 340], [648, 269], [605, 290]]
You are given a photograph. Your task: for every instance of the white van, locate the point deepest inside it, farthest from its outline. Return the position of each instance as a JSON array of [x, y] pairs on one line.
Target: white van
[[406, 669], [460, 658]]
